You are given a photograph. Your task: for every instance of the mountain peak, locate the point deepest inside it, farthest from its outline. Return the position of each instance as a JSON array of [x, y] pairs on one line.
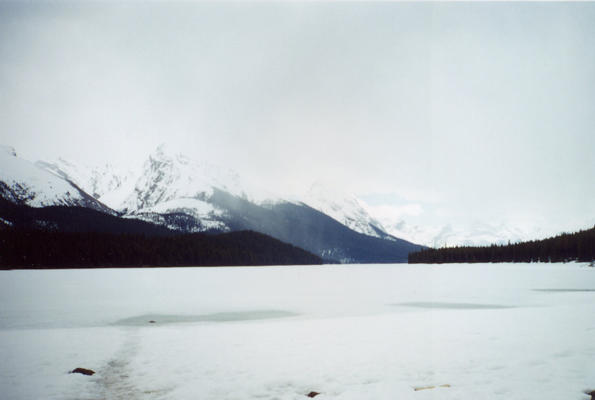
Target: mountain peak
[[165, 151], [8, 150], [169, 175], [160, 151], [343, 207], [24, 182]]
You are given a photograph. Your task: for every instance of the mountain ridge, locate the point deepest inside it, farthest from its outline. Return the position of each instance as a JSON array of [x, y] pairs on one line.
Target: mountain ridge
[[184, 195], [22, 182]]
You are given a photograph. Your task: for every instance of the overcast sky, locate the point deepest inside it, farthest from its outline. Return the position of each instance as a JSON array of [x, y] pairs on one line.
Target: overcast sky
[[470, 111]]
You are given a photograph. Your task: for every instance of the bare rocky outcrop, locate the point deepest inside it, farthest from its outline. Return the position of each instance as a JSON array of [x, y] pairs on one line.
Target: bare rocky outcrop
[[83, 371]]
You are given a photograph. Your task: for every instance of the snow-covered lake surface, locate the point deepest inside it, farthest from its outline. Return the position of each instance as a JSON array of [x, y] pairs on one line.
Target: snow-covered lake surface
[[501, 331]]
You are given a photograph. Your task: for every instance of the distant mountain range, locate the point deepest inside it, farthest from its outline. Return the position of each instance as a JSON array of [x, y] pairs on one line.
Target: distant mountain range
[[176, 193], [578, 246], [22, 182]]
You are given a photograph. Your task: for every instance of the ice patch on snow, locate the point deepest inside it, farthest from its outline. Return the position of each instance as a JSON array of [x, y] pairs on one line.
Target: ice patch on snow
[[161, 319], [566, 290], [452, 306]]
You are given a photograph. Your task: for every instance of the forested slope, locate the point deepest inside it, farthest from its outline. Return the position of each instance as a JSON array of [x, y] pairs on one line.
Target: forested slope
[[43, 249], [579, 246]]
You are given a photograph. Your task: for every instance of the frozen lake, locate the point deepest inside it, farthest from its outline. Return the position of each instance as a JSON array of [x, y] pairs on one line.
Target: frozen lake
[[490, 331]]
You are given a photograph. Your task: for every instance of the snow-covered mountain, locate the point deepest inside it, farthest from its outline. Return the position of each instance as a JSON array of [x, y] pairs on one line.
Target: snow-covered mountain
[[172, 184], [345, 208], [177, 191], [193, 196], [105, 183], [167, 177], [22, 182], [448, 234]]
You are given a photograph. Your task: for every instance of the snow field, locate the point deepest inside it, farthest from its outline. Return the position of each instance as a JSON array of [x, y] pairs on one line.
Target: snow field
[[34, 186], [357, 332]]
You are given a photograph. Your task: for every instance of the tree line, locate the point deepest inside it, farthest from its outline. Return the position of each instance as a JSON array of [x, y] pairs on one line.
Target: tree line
[[46, 249], [579, 246]]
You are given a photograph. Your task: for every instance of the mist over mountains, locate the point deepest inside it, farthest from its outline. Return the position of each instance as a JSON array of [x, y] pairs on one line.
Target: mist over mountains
[[186, 195], [181, 193]]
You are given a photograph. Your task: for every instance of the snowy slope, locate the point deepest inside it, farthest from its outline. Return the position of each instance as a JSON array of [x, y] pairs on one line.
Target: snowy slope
[[22, 182], [105, 183], [198, 215], [476, 234], [345, 208], [168, 183], [166, 177], [171, 183]]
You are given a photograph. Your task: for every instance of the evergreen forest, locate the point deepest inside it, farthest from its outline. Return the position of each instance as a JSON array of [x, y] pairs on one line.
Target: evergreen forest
[[579, 246], [46, 249]]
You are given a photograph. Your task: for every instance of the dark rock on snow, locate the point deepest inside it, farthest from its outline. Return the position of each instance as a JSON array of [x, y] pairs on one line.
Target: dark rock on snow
[[83, 371], [312, 394]]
